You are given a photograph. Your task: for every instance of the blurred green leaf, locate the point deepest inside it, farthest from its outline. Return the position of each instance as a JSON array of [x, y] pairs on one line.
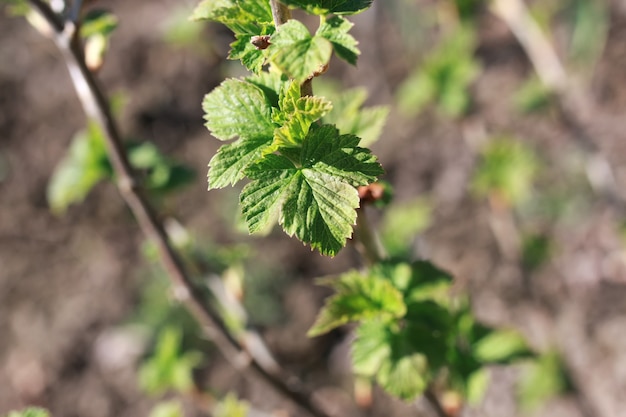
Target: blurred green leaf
[[98, 22], [29, 412], [591, 26], [358, 297], [543, 379], [179, 31], [83, 167], [231, 406], [477, 384], [501, 346], [401, 224], [404, 376], [170, 367], [167, 409], [507, 170], [443, 77]]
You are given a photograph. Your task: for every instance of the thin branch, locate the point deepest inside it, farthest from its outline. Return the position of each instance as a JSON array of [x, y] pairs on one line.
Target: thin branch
[[97, 107], [434, 402], [538, 48]]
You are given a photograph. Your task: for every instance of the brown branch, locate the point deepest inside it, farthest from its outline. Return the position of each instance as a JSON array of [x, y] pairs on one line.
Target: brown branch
[[97, 107], [280, 12]]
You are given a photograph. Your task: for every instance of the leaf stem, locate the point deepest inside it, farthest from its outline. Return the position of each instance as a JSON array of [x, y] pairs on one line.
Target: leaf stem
[[96, 107], [280, 12]]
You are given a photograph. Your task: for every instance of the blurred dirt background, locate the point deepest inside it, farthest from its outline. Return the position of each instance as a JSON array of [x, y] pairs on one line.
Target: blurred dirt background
[[69, 283]]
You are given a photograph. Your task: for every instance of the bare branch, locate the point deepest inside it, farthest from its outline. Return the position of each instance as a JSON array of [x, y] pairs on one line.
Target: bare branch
[[97, 107]]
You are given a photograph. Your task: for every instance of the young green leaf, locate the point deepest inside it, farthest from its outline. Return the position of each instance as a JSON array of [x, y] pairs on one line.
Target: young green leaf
[[298, 54], [387, 354], [298, 114], [314, 199], [238, 108], [228, 165], [405, 376], [336, 30], [170, 367], [501, 346], [358, 297], [324, 7], [85, 165], [371, 347]]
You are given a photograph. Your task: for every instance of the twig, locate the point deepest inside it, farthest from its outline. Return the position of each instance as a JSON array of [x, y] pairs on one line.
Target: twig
[[97, 107], [435, 403], [540, 52], [280, 12]]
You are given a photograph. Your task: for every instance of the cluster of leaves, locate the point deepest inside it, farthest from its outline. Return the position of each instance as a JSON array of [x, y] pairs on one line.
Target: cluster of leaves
[[87, 163], [411, 331], [303, 170]]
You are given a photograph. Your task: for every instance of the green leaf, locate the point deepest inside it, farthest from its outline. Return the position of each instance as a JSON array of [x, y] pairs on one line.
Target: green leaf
[[324, 7], [170, 367], [29, 412], [315, 200], [98, 22], [251, 17], [85, 165], [401, 224], [501, 346], [298, 113], [336, 30], [371, 347], [358, 297], [477, 384], [543, 379], [298, 54], [251, 57], [328, 152], [228, 165], [405, 376], [238, 108], [387, 354]]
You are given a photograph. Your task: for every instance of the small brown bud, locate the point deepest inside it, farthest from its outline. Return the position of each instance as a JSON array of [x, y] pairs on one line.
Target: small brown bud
[[371, 193], [261, 41]]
